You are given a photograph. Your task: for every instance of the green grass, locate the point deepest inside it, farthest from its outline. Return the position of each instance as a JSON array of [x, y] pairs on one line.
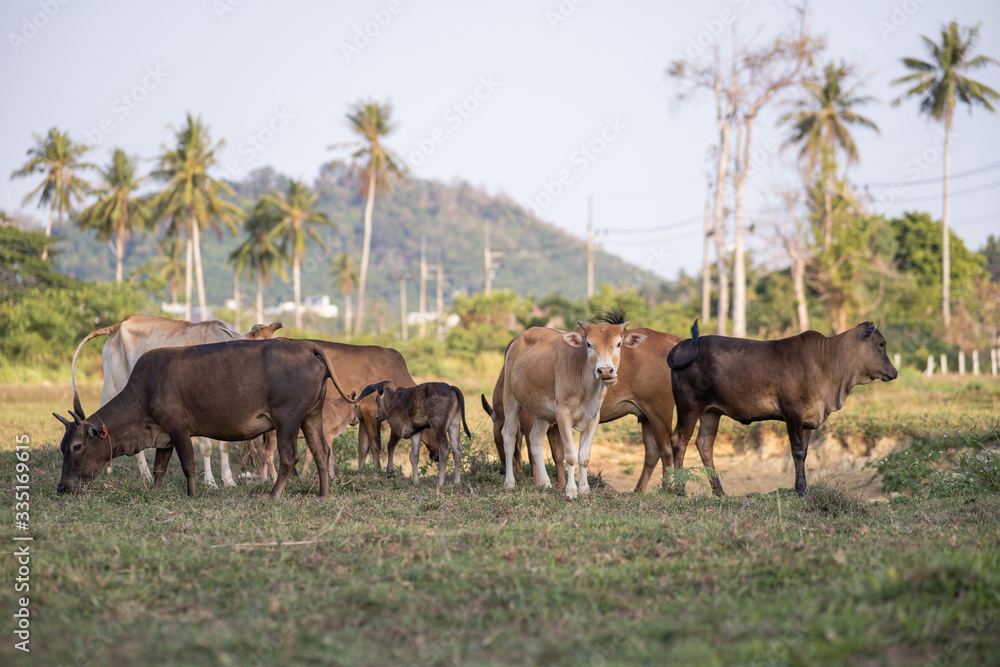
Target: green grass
[[384, 573]]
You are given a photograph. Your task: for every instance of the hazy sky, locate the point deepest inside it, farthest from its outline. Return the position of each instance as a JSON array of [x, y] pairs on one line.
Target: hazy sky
[[506, 95]]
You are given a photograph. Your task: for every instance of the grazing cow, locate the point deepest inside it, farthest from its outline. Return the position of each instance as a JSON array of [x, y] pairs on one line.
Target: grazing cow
[[799, 380], [640, 391], [137, 334], [338, 414], [432, 406], [561, 378], [359, 366], [228, 391]]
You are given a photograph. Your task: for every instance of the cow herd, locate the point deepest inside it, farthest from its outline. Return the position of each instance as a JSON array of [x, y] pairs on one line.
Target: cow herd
[[167, 381]]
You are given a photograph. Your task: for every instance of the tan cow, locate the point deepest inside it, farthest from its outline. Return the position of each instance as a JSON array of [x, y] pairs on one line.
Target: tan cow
[[137, 334], [561, 378], [643, 389]]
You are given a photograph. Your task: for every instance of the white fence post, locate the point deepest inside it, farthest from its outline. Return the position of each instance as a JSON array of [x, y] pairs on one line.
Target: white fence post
[[975, 362], [961, 362], [944, 364], [930, 365], [993, 361], [897, 358]]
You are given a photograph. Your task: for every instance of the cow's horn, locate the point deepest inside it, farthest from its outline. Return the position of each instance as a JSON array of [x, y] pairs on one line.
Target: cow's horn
[[64, 421], [76, 417]]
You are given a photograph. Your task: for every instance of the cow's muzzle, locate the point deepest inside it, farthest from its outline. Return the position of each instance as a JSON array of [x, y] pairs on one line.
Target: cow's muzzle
[[607, 374]]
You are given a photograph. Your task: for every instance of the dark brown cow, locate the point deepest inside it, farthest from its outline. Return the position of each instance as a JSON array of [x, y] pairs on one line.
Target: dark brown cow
[[642, 390], [799, 380], [357, 367], [409, 411], [228, 391]]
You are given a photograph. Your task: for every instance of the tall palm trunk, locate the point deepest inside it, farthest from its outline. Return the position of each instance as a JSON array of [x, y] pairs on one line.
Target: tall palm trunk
[[297, 288], [706, 265], [48, 231], [347, 316], [259, 314], [799, 278], [945, 241], [120, 248], [196, 235], [187, 280], [719, 233], [742, 171], [365, 251]]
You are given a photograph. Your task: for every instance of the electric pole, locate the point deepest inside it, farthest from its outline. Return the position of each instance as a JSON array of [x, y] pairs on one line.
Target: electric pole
[[590, 247], [422, 305], [402, 278], [488, 256]]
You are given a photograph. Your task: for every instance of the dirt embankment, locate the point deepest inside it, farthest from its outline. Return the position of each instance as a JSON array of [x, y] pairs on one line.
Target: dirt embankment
[[761, 467]]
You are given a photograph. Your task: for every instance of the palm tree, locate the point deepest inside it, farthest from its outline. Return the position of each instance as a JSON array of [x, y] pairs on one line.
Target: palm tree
[[58, 157], [819, 124], [345, 276], [376, 167], [168, 265], [259, 256], [940, 84], [191, 198], [118, 211], [297, 211]]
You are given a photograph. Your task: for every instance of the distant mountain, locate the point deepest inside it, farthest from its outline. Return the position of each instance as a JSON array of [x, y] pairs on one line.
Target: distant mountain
[[537, 258]]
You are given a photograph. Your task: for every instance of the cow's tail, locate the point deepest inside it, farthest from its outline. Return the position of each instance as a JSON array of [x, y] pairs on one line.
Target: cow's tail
[[673, 363], [106, 331], [321, 353], [461, 406], [486, 406]]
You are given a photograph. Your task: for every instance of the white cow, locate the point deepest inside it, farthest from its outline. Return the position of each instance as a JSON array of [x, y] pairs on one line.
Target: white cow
[[137, 334]]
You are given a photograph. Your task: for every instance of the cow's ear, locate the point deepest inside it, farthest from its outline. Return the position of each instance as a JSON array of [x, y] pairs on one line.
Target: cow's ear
[[868, 329], [93, 432], [632, 339], [573, 339]]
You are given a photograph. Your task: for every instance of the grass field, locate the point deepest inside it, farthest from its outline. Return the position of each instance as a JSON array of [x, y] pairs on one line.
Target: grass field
[[384, 573]]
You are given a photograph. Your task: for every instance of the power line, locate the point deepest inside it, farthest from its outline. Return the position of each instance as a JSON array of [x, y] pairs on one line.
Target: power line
[[956, 193], [935, 179]]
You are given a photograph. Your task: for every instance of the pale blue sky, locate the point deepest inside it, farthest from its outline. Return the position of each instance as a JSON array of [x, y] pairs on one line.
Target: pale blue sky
[[531, 91]]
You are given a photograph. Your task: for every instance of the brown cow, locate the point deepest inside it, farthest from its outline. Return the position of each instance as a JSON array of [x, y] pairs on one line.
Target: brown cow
[[643, 390], [435, 406], [799, 380], [137, 334], [359, 366], [338, 414], [228, 391], [561, 378]]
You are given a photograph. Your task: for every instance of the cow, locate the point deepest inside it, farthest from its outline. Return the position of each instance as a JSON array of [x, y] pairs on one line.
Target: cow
[[228, 391], [434, 406], [799, 380], [137, 334], [641, 391], [561, 378], [359, 366]]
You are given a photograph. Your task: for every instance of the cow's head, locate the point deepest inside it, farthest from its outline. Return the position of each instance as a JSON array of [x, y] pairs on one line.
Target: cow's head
[[263, 331], [86, 448], [382, 387], [870, 358], [604, 347]]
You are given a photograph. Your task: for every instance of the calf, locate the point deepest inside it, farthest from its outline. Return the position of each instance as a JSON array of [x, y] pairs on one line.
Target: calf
[[561, 378], [436, 406], [798, 380], [228, 391]]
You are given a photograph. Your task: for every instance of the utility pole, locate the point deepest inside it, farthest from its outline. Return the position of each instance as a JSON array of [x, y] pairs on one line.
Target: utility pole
[[590, 247], [402, 278], [440, 297], [422, 305], [487, 259], [706, 266]]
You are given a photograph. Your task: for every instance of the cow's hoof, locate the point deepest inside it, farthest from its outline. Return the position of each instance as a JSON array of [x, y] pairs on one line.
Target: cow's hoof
[[583, 490], [229, 482], [390, 475], [570, 491], [210, 482], [509, 485]]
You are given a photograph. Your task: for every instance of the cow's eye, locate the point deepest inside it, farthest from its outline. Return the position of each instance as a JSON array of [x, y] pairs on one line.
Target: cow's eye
[[78, 446], [619, 343], [882, 345]]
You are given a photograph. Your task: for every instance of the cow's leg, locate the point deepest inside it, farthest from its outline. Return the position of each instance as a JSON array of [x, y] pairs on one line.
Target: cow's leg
[[227, 472], [288, 456], [307, 459], [565, 422], [414, 456], [268, 448], [160, 462], [706, 442], [558, 453], [512, 415], [390, 452], [656, 439], [537, 452], [686, 421], [800, 445], [362, 442], [586, 438], [205, 445], [312, 429], [140, 461], [181, 439], [455, 438], [441, 436]]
